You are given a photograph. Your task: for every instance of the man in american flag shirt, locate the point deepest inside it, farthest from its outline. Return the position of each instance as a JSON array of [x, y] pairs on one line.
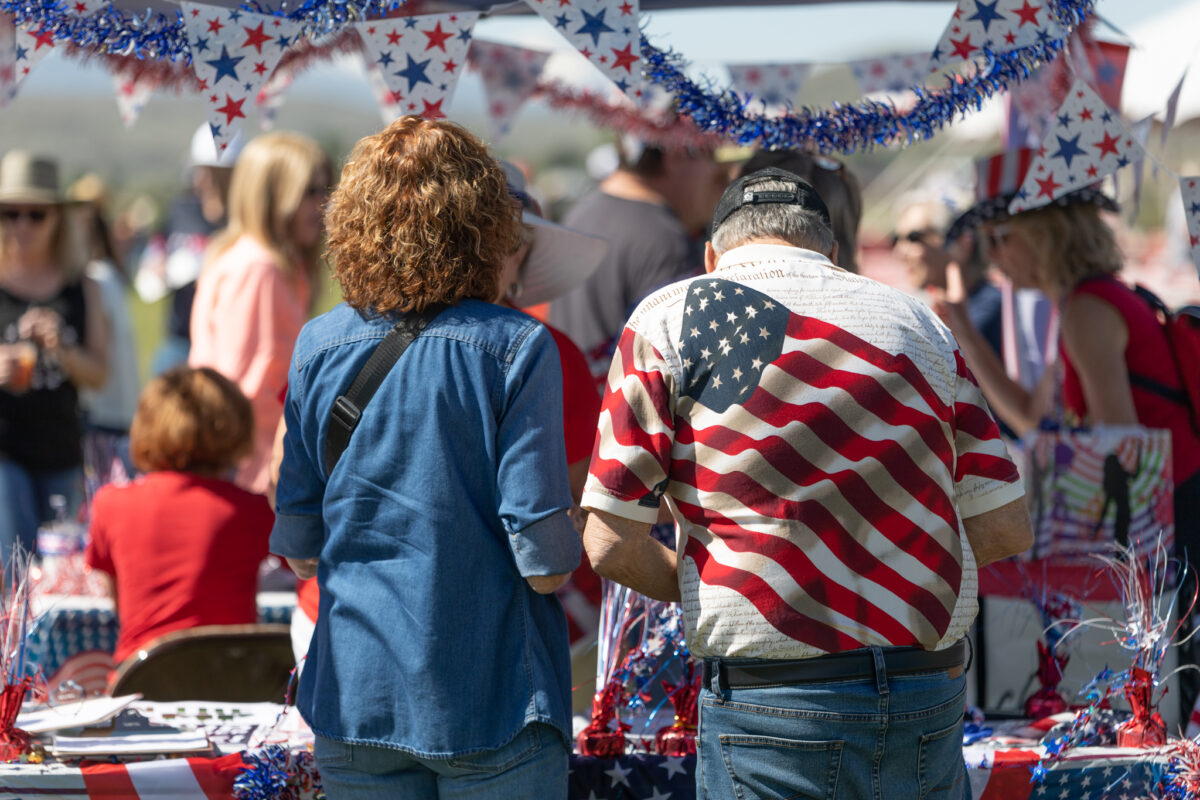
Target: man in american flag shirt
[[837, 480]]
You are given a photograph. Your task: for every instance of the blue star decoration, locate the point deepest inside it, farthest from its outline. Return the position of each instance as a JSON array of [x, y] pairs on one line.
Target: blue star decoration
[[1068, 149], [730, 334], [216, 130], [235, 15], [414, 72], [594, 26], [200, 45], [986, 13], [283, 42], [464, 34], [1064, 120], [1106, 72], [385, 58], [22, 53], [225, 65], [411, 22], [1106, 116], [561, 21], [1195, 208]]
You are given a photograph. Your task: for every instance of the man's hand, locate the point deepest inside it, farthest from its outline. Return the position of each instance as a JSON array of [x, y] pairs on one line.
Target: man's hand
[[624, 551], [304, 568]]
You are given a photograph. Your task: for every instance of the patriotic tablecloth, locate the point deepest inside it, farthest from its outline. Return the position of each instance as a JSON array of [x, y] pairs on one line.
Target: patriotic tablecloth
[[73, 638]]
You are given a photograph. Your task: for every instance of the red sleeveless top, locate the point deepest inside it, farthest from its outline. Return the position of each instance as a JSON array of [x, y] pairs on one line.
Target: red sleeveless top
[[1147, 354]]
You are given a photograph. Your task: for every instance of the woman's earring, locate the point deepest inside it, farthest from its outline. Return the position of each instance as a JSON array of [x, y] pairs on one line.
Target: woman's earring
[[514, 290]]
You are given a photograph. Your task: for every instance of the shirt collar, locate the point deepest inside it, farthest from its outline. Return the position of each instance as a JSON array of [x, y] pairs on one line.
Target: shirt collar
[[753, 253]]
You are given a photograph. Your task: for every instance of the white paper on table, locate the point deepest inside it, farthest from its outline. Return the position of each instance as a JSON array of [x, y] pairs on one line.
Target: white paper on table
[[132, 744], [73, 715]]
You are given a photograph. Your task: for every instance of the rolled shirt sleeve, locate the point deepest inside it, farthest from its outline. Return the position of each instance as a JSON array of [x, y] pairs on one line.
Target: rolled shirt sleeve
[[631, 462], [531, 475], [985, 478]]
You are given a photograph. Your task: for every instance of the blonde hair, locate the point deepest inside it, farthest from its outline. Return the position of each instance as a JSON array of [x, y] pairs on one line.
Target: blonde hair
[[270, 179], [191, 420], [1069, 242]]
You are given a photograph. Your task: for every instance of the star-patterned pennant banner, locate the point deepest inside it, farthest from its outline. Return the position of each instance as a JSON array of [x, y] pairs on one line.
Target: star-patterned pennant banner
[[389, 107], [420, 58], [33, 44], [890, 73], [999, 26], [510, 75], [1032, 102], [234, 53], [132, 92], [270, 97], [776, 85], [8, 58], [1190, 189], [606, 32], [1087, 142]]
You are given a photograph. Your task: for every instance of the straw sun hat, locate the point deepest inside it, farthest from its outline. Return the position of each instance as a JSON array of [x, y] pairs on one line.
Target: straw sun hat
[[28, 180]]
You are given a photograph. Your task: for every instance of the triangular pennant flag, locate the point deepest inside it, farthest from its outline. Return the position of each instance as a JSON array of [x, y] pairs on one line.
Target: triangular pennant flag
[[606, 32], [1033, 101], [420, 57], [776, 85], [890, 73], [1172, 107], [132, 92], [1141, 134], [234, 53], [1087, 142], [510, 75], [999, 26], [389, 106], [1190, 188], [32, 44], [8, 58]]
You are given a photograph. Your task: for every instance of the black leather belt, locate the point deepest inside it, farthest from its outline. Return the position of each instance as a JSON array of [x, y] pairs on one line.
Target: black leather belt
[[847, 666]]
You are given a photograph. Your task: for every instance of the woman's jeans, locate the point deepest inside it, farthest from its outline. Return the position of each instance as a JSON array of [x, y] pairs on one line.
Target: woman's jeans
[[533, 766], [868, 739], [25, 503]]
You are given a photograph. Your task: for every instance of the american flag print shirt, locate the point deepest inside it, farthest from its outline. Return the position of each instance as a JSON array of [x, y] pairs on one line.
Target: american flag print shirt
[[819, 438]]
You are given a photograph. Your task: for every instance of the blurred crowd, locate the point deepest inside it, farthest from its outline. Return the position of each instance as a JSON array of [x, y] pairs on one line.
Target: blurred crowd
[[177, 472]]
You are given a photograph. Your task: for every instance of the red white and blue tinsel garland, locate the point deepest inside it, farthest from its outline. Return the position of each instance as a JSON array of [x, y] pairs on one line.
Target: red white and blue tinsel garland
[[865, 124]]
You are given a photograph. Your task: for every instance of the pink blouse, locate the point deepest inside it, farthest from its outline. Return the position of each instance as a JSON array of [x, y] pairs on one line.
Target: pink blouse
[[245, 320]]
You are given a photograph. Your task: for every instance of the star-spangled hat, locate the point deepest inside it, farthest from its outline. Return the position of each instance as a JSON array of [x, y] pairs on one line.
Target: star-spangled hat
[[1087, 141], [998, 178], [998, 26], [420, 58], [776, 85], [606, 32], [510, 75], [234, 53], [1190, 190]]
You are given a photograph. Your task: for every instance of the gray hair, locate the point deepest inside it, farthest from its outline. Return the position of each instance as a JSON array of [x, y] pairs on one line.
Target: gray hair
[[796, 225]]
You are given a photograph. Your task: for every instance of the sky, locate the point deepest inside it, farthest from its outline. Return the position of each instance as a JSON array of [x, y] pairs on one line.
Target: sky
[[1166, 36]]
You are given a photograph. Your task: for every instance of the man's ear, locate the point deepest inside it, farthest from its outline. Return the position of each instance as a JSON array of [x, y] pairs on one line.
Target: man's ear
[[833, 254], [710, 257]]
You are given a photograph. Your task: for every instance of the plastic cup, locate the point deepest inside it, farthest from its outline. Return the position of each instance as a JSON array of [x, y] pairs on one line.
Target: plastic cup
[[25, 358]]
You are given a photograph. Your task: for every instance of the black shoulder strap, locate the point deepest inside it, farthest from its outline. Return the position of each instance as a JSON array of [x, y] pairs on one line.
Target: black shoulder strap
[[348, 408]]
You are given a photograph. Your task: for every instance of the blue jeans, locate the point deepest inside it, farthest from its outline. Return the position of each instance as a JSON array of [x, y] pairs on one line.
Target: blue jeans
[[25, 502], [883, 737], [533, 766]]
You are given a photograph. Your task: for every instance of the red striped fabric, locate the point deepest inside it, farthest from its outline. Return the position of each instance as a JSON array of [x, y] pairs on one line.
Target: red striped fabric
[[818, 458]]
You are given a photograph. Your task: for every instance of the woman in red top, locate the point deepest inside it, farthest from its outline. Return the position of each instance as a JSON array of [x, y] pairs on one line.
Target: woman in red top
[[1111, 344], [181, 546]]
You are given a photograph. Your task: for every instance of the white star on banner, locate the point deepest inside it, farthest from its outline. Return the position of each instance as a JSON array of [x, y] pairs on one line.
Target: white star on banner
[[420, 58], [606, 32], [618, 773], [1190, 189], [510, 75], [673, 765], [999, 26], [658, 795], [1086, 142], [776, 85], [234, 53]]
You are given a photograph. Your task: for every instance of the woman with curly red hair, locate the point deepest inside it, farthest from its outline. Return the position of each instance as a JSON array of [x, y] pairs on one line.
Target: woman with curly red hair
[[454, 477]]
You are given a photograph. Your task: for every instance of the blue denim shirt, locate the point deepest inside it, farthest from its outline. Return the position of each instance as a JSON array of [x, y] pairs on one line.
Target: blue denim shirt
[[452, 490]]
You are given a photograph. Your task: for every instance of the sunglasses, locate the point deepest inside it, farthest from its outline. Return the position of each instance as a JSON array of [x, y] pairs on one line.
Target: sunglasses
[[913, 237], [35, 215]]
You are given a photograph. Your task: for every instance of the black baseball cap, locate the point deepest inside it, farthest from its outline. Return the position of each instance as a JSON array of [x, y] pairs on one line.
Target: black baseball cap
[[742, 193]]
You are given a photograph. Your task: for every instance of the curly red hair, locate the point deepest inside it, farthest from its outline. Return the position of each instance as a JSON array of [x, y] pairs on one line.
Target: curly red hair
[[421, 215]]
